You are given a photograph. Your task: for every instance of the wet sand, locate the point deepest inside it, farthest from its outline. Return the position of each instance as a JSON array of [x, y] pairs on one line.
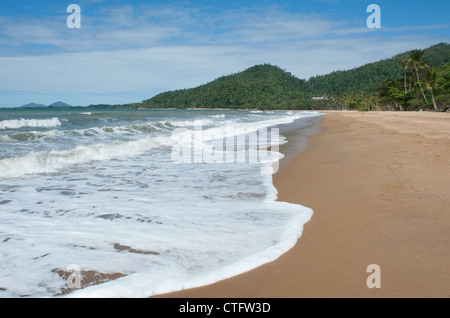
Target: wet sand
[[379, 185]]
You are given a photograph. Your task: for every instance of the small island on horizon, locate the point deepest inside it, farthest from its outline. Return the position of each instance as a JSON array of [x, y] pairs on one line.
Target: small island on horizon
[[55, 104]]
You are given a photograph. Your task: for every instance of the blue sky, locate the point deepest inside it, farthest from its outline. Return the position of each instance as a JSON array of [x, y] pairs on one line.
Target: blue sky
[[127, 51]]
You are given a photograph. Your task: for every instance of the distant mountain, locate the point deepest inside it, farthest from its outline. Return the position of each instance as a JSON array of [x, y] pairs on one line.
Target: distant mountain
[[59, 104], [56, 104], [32, 105]]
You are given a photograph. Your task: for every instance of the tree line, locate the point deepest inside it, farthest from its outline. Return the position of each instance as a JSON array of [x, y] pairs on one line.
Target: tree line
[[421, 87], [415, 80]]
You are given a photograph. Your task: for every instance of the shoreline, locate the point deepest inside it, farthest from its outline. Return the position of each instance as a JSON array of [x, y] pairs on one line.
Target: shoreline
[[377, 183]]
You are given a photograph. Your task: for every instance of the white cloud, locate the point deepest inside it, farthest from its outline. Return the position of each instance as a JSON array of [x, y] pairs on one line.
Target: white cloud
[[158, 69]]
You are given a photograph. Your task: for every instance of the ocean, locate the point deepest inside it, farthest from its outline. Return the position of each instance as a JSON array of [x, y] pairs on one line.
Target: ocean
[[143, 202]]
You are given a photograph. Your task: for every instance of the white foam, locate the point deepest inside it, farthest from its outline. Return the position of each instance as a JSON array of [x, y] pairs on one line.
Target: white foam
[[46, 162], [21, 123], [190, 123], [149, 284]]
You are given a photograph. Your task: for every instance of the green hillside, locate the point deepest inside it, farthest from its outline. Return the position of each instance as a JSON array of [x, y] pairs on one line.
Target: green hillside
[[261, 86], [370, 76], [375, 85]]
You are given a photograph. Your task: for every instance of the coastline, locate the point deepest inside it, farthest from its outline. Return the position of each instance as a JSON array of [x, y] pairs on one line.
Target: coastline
[[378, 184]]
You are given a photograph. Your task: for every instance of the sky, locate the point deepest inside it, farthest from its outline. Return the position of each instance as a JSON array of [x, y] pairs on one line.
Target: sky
[[129, 51]]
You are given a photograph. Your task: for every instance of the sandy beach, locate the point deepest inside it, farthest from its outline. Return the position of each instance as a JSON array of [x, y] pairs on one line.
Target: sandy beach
[[379, 185]]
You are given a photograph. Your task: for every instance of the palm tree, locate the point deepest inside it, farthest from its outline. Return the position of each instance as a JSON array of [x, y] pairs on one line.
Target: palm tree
[[431, 82], [406, 67], [417, 64]]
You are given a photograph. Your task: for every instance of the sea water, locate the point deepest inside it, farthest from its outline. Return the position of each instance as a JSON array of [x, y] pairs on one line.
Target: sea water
[[99, 190]]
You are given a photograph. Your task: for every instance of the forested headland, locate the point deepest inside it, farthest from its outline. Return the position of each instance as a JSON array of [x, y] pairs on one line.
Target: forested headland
[[414, 80]]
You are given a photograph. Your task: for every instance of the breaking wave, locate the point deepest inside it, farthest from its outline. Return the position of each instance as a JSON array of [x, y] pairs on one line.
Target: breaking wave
[[23, 123]]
